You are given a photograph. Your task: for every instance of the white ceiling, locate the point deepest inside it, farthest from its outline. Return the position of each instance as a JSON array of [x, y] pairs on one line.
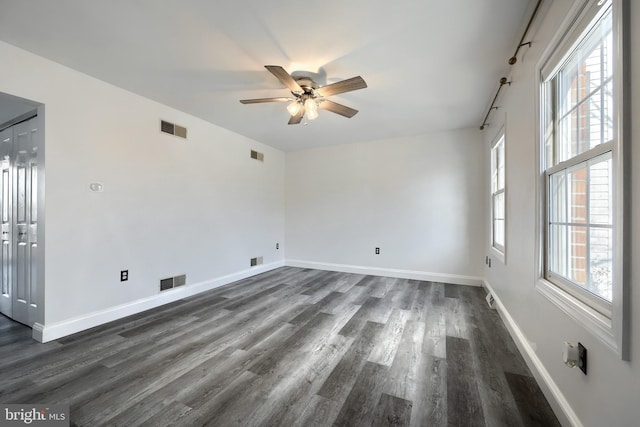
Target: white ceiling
[[430, 65]]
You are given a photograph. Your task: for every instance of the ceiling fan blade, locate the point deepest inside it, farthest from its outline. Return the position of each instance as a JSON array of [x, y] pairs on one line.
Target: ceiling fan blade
[[334, 107], [284, 77], [259, 100], [348, 85], [294, 120]]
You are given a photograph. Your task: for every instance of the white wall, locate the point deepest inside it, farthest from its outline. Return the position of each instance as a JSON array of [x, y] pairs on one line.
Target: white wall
[[609, 395], [199, 207], [420, 199]]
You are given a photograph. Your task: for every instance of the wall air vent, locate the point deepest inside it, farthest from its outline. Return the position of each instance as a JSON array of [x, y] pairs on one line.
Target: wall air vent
[[179, 280], [173, 129], [256, 155], [255, 261], [166, 284], [173, 282]]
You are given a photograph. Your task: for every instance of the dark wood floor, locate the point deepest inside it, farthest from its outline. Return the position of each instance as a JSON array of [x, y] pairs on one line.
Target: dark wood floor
[[288, 347]]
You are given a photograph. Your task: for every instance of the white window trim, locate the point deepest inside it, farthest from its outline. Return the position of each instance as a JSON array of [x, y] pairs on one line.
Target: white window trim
[[498, 253], [613, 331]]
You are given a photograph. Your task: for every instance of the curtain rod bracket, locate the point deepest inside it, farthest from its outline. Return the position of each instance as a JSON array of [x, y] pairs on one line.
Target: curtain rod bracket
[[514, 58]]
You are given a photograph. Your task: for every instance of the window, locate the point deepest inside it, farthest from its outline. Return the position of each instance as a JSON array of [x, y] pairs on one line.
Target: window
[[581, 164], [498, 196]]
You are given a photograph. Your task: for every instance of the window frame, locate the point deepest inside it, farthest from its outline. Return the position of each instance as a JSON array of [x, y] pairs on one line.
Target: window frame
[[609, 322], [499, 251]]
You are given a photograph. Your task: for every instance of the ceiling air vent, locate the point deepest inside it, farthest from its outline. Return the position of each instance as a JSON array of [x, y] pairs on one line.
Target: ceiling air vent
[[173, 129], [257, 156]]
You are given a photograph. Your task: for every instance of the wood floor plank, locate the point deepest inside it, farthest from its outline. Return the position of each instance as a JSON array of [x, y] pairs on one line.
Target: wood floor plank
[[406, 376], [536, 413], [319, 412], [435, 321], [456, 318], [345, 373], [374, 310], [464, 406], [498, 404], [389, 339], [313, 309], [289, 347], [392, 411], [430, 403], [402, 294], [170, 414], [360, 406], [347, 281], [288, 392]]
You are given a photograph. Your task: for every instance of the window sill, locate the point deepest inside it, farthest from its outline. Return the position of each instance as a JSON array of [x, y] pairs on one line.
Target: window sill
[[590, 319], [498, 255]]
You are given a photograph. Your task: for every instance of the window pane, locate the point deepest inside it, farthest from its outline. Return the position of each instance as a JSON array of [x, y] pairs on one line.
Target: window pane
[[498, 232], [568, 87], [498, 219], [590, 123], [558, 249], [584, 103], [498, 206], [558, 197], [607, 37], [548, 125], [601, 262], [600, 194], [578, 255], [577, 189], [494, 170], [500, 149], [607, 112], [568, 137]]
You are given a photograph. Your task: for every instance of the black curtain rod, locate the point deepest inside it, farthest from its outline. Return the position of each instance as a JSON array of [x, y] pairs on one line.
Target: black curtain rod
[[503, 81], [514, 58], [512, 61]]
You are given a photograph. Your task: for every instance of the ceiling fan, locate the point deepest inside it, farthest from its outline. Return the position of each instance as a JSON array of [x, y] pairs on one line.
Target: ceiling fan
[[308, 96]]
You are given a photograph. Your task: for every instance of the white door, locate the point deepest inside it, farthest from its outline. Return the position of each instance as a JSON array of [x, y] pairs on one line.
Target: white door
[[6, 144], [19, 221]]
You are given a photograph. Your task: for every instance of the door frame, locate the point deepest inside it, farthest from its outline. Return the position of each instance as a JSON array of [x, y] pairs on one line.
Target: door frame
[[36, 313]]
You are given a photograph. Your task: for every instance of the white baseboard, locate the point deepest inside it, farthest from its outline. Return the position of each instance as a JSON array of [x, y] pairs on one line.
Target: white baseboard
[[49, 332], [388, 272], [558, 402]]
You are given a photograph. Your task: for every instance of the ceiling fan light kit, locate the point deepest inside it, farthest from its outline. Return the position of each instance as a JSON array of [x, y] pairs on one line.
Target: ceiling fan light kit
[[308, 96]]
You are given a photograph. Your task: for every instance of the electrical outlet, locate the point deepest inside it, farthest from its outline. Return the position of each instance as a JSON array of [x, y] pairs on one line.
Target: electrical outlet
[[489, 262], [277, 245], [486, 259], [582, 358], [377, 251], [124, 275]]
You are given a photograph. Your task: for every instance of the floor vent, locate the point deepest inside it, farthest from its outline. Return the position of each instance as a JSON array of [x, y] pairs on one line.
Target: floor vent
[[256, 155], [173, 129], [173, 282], [255, 261], [491, 301]]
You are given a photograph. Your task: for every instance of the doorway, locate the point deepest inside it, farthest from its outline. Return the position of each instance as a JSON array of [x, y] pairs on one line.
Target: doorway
[[21, 210]]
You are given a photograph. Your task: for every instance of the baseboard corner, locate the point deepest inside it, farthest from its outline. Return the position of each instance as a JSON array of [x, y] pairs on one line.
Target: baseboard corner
[[561, 407]]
